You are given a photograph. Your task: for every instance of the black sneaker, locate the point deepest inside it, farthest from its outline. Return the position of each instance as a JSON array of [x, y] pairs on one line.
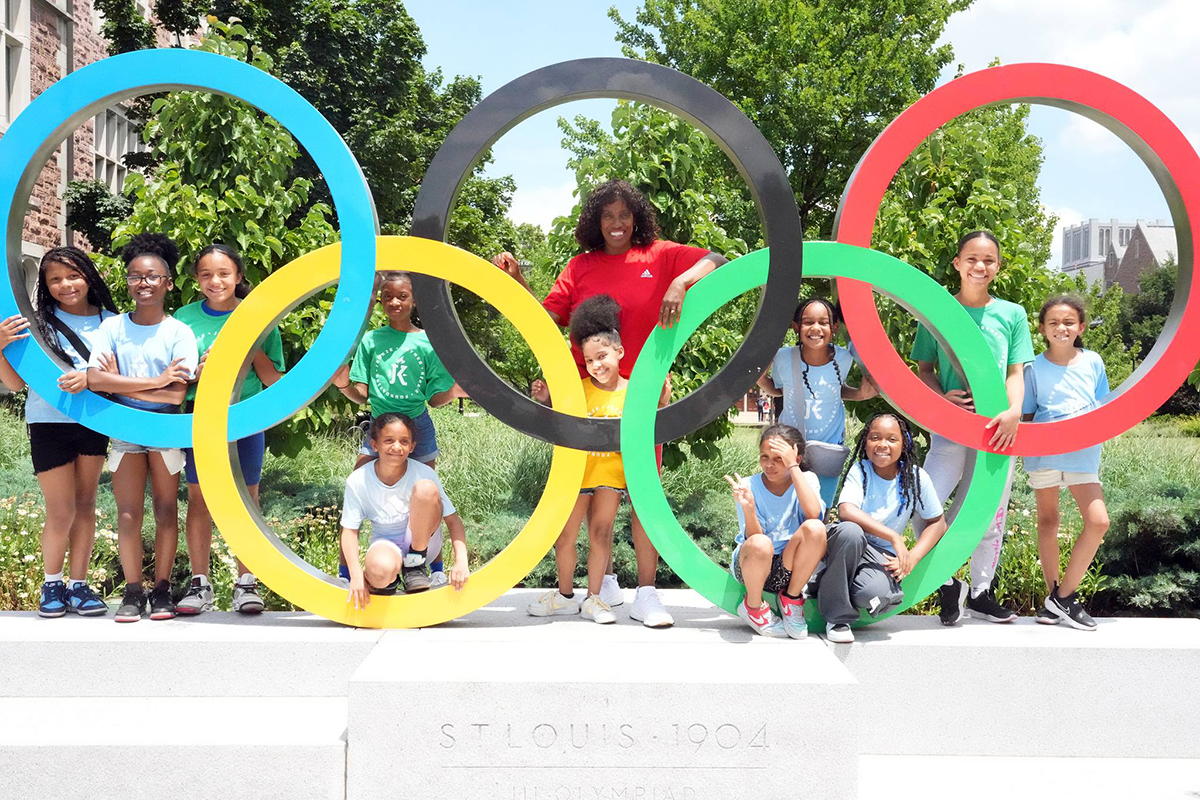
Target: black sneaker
[[984, 606], [1069, 610], [161, 604], [133, 604], [415, 573], [952, 596], [1046, 617]]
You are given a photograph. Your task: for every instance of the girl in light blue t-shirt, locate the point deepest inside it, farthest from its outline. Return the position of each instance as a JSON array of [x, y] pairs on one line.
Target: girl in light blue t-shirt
[[1063, 382], [867, 556], [71, 303], [811, 378], [781, 533]]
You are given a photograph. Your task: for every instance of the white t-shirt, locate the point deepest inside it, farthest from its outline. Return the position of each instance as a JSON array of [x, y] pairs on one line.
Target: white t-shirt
[[144, 351], [880, 499], [367, 497]]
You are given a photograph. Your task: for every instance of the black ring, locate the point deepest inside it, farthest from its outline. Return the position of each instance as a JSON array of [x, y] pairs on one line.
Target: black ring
[[625, 79]]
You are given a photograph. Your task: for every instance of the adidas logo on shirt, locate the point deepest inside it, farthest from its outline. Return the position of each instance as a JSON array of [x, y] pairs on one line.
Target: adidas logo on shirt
[[647, 274]]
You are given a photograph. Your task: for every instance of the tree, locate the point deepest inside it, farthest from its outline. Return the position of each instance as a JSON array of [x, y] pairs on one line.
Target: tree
[[1142, 318], [819, 79], [223, 174], [359, 63]]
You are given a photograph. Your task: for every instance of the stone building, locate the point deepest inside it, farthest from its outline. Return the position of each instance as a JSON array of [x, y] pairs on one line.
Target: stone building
[[1085, 245], [43, 41], [1150, 246]]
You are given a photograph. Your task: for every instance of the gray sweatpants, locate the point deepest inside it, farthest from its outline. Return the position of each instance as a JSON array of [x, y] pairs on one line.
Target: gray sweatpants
[[946, 463], [852, 576]]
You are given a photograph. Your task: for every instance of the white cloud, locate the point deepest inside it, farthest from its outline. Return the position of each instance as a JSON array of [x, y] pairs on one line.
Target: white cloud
[[1066, 218], [1149, 46], [541, 204]]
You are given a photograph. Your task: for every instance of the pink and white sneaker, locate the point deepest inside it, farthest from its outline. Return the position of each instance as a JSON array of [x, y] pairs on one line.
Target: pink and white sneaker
[[761, 621]]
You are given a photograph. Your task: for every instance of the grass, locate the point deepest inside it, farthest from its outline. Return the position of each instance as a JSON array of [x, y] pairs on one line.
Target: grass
[[495, 476]]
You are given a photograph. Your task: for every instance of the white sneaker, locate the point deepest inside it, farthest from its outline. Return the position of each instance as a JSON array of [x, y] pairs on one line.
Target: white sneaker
[[648, 609], [437, 579], [597, 610], [839, 633], [610, 591], [552, 604], [246, 599]]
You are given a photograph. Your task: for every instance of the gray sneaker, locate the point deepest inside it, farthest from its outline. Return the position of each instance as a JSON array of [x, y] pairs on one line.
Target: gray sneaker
[[246, 599], [199, 598]]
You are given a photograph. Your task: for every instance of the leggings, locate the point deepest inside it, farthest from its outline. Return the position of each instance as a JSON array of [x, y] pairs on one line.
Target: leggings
[[946, 462]]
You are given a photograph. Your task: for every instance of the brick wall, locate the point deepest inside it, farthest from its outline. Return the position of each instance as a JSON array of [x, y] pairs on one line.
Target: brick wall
[[1138, 260], [46, 222]]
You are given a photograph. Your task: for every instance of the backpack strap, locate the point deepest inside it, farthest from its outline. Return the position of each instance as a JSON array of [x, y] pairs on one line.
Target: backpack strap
[[71, 336]]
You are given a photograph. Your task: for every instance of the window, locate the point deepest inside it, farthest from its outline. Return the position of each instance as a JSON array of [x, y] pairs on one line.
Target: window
[[14, 71], [115, 136]]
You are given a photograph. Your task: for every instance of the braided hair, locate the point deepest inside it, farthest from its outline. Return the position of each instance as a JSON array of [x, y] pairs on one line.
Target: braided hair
[[910, 484], [98, 294], [833, 318]]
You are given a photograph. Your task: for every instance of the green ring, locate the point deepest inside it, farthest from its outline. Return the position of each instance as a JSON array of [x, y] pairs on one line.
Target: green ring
[[920, 295]]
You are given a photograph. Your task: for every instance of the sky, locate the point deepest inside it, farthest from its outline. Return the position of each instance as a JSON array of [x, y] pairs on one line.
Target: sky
[[1148, 45]]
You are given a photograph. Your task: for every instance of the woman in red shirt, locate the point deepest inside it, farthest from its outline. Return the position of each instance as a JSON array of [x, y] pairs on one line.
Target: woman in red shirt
[[623, 257]]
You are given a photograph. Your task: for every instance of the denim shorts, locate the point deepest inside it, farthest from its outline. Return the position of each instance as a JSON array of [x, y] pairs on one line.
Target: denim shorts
[[251, 452], [591, 490], [426, 449]]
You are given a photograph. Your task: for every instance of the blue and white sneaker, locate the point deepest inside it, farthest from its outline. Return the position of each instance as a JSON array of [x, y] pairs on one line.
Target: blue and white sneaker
[[83, 601], [791, 614], [54, 599]]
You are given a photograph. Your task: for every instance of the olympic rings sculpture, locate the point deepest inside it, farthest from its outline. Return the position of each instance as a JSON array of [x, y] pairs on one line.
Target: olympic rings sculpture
[[39, 130]]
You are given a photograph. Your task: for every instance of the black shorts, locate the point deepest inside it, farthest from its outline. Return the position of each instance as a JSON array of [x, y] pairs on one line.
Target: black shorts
[[777, 579], [53, 444]]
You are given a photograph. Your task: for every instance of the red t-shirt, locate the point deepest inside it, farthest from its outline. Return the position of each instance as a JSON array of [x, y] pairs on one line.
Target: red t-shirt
[[637, 279]]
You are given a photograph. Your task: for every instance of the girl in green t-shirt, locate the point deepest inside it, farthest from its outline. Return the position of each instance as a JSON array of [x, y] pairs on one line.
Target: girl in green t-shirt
[[396, 370], [218, 271], [1005, 327]]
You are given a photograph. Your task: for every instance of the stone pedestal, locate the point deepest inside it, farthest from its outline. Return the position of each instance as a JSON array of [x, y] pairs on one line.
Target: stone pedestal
[[569, 710]]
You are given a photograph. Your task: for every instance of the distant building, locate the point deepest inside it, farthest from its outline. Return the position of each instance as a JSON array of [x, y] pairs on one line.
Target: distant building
[[1085, 246], [1117, 252], [1151, 245]]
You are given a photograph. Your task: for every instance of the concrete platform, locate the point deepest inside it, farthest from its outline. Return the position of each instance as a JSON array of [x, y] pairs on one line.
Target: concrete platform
[[1001, 778], [211, 655], [134, 748], [505, 706], [1126, 690]]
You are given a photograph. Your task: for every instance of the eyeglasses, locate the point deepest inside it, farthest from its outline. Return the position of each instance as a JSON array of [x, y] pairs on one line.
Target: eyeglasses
[[152, 280]]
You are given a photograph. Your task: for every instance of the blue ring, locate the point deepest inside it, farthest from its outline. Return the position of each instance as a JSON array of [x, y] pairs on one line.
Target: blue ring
[[39, 130]]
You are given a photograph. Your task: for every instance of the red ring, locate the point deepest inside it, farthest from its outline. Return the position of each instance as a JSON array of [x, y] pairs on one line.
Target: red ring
[[1159, 143]]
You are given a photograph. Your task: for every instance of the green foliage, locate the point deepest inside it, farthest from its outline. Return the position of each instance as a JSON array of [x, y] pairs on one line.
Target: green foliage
[[95, 212], [124, 28], [1142, 318], [819, 79], [180, 17], [223, 174], [359, 62], [1149, 564]]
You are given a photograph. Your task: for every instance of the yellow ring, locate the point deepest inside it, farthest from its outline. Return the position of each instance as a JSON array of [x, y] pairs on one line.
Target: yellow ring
[[247, 533]]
